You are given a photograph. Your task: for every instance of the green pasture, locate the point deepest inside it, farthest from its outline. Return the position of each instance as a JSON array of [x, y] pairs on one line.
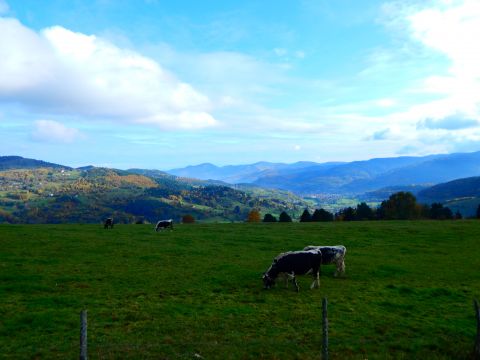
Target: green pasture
[[196, 292]]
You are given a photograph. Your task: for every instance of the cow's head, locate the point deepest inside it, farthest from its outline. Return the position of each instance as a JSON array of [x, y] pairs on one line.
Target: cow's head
[[268, 282]]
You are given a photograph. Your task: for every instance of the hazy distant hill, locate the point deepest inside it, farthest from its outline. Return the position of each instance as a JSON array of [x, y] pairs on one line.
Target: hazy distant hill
[[18, 162], [235, 174], [456, 189], [346, 178], [384, 193], [353, 177], [460, 194], [429, 171]]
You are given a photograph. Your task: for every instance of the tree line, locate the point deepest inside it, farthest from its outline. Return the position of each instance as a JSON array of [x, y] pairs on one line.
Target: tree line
[[399, 206]]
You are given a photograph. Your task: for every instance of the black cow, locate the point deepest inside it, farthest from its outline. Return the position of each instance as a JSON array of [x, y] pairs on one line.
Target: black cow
[[295, 263], [332, 255], [164, 224], [108, 223]]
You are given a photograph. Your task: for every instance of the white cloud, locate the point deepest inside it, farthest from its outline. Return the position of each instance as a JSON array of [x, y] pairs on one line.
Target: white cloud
[[53, 131], [385, 103], [456, 122], [61, 71], [451, 29], [4, 8]]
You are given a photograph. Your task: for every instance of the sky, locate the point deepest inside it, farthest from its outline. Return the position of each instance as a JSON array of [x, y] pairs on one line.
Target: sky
[[163, 84]]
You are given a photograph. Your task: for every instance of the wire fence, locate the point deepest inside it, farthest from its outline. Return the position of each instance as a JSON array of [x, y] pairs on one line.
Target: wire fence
[[110, 350]]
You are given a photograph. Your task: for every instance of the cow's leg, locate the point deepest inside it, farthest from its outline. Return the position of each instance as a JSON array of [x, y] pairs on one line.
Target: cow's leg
[[295, 281], [316, 277], [289, 277], [340, 267], [316, 280]]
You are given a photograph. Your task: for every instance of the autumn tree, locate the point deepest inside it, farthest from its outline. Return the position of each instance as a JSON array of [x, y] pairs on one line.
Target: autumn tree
[[188, 219], [253, 216]]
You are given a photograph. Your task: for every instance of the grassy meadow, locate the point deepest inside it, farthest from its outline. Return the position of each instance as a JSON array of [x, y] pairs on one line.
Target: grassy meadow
[[196, 292]]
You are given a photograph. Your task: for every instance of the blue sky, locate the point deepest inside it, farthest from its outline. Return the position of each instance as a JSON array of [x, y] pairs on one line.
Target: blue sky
[[165, 84]]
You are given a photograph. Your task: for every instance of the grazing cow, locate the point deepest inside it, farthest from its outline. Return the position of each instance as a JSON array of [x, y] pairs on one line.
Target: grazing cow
[[331, 255], [164, 224], [295, 263], [108, 223]]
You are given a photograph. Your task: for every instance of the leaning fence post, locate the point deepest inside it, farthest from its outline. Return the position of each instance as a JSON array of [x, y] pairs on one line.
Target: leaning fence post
[[476, 351], [325, 329], [83, 335]]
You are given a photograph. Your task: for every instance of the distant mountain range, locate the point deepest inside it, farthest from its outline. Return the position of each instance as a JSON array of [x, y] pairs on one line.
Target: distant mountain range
[[351, 178], [47, 192]]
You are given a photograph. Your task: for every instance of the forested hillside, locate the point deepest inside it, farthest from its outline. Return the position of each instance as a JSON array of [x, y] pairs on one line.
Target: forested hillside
[[60, 195]]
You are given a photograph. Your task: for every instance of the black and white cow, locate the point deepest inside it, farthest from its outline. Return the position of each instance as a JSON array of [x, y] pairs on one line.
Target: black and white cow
[[108, 223], [332, 255], [294, 263], [164, 224]]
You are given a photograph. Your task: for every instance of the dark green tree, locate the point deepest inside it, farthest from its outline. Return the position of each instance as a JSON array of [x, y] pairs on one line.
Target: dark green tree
[[284, 217], [458, 215], [322, 215], [364, 212], [478, 212], [346, 214], [400, 206], [306, 217], [269, 218], [439, 212]]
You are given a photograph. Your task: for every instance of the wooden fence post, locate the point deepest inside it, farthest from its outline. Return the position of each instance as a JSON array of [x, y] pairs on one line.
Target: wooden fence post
[[476, 351], [83, 335], [325, 330]]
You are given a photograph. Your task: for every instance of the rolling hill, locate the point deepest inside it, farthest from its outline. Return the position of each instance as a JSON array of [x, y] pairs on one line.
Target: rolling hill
[[460, 194], [61, 195], [18, 162]]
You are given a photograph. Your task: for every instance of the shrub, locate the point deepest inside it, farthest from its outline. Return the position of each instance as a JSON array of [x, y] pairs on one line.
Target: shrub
[[322, 215], [306, 217], [269, 218], [284, 217], [188, 219]]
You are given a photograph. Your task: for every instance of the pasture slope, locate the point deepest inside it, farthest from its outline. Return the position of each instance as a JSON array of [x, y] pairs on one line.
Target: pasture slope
[[196, 291]]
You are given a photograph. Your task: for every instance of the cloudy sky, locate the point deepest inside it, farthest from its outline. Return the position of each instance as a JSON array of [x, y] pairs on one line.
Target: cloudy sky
[[164, 84]]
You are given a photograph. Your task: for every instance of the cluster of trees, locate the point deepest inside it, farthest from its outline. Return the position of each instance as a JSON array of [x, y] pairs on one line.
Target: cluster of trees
[[254, 216], [399, 206]]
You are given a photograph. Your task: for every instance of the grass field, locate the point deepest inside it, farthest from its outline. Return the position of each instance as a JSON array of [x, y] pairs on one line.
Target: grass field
[[196, 292]]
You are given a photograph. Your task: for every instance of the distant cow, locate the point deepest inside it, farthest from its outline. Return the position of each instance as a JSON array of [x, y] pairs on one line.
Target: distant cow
[[164, 224], [332, 255], [108, 223], [295, 263]]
